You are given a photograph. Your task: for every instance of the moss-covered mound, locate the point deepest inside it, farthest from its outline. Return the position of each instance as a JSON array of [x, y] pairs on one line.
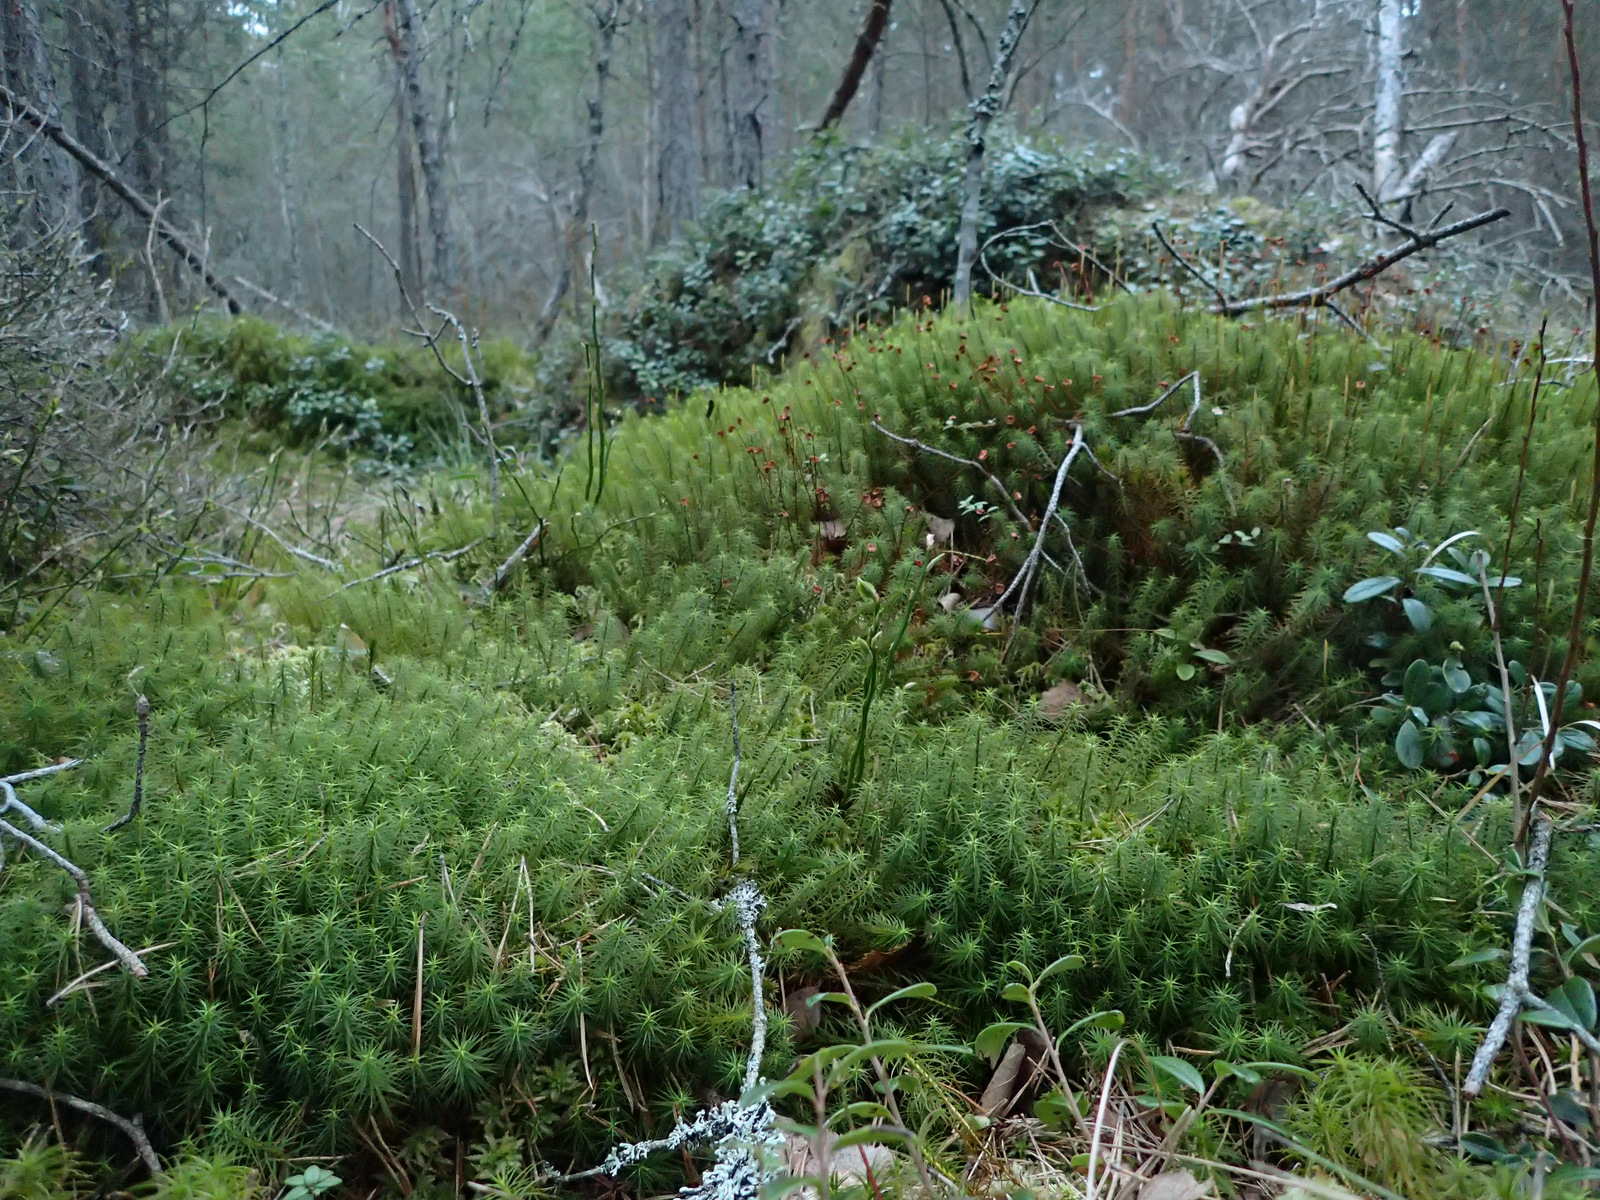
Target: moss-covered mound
[[347, 772]]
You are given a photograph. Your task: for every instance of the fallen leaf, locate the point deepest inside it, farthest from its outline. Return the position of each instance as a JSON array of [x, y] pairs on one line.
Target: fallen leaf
[[1174, 1185], [1058, 699]]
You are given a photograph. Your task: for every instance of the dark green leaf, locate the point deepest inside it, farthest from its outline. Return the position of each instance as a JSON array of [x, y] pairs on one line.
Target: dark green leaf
[[1367, 589], [1418, 676], [992, 1039], [1456, 676], [1408, 745], [915, 991], [1418, 613], [1179, 1070]]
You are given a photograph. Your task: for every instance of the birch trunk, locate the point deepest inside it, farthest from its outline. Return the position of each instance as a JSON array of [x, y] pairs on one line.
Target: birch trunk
[[606, 23], [1386, 173]]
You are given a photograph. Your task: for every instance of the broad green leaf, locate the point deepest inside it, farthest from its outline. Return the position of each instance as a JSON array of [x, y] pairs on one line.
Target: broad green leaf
[[1417, 678], [828, 998], [1448, 575], [1408, 745], [1283, 1068], [1214, 656], [1067, 962], [1055, 1110], [799, 939], [1485, 1147], [783, 1185], [1367, 589], [867, 1110], [1179, 1070], [878, 1048], [1589, 945], [1456, 676], [1550, 1018], [1388, 541], [992, 1039], [915, 991], [1575, 999], [1224, 1069], [1478, 957], [1109, 1019], [1015, 991], [1185, 671], [1418, 613]]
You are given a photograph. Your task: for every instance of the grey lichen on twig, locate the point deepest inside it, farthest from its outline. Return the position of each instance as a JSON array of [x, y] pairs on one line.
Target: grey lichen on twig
[[744, 1137]]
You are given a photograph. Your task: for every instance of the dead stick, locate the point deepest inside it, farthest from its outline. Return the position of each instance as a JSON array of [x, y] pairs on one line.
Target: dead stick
[[503, 573], [1516, 988], [134, 1128], [129, 960], [1318, 296], [103, 171], [141, 708]]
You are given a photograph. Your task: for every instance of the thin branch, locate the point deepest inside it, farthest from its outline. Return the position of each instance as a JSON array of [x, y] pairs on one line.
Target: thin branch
[[1516, 991], [1183, 262], [439, 555], [141, 709], [1417, 241], [134, 1129], [731, 805], [102, 170], [505, 570], [130, 961], [1575, 636]]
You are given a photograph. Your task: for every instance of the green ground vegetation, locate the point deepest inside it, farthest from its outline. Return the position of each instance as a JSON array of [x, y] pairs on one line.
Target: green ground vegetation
[[1175, 764]]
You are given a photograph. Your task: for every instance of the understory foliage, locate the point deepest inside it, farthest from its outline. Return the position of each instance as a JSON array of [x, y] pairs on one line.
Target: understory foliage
[[852, 234], [529, 792]]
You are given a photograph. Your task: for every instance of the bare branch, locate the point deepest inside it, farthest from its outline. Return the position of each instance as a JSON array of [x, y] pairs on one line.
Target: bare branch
[[102, 170], [1417, 241], [134, 1129]]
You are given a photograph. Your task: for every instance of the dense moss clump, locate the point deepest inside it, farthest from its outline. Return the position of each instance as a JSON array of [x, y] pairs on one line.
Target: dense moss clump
[[529, 792]]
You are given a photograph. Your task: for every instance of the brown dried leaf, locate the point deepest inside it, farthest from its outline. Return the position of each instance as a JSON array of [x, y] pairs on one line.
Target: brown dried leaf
[[1175, 1185], [1060, 698]]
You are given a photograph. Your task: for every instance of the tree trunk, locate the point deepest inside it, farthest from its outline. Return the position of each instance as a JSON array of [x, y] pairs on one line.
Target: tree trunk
[[88, 106], [606, 21], [430, 153], [675, 181], [984, 110], [57, 202], [410, 236], [871, 34], [1386, 174], [288, 210], [749, 90]]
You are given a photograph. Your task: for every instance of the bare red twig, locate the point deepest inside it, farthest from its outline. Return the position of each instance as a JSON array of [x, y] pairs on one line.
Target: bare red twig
[[1586, 571]]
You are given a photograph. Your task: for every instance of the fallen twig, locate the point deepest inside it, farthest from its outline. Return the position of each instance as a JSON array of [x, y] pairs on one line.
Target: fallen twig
[[503, 573], [134, 1128], [1417, 240], [1516, 992], [741, 1135], [439, 555], [129, 960]]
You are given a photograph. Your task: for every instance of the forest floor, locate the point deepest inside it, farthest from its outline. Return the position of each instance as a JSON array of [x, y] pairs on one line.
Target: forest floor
[[1010, 768]]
